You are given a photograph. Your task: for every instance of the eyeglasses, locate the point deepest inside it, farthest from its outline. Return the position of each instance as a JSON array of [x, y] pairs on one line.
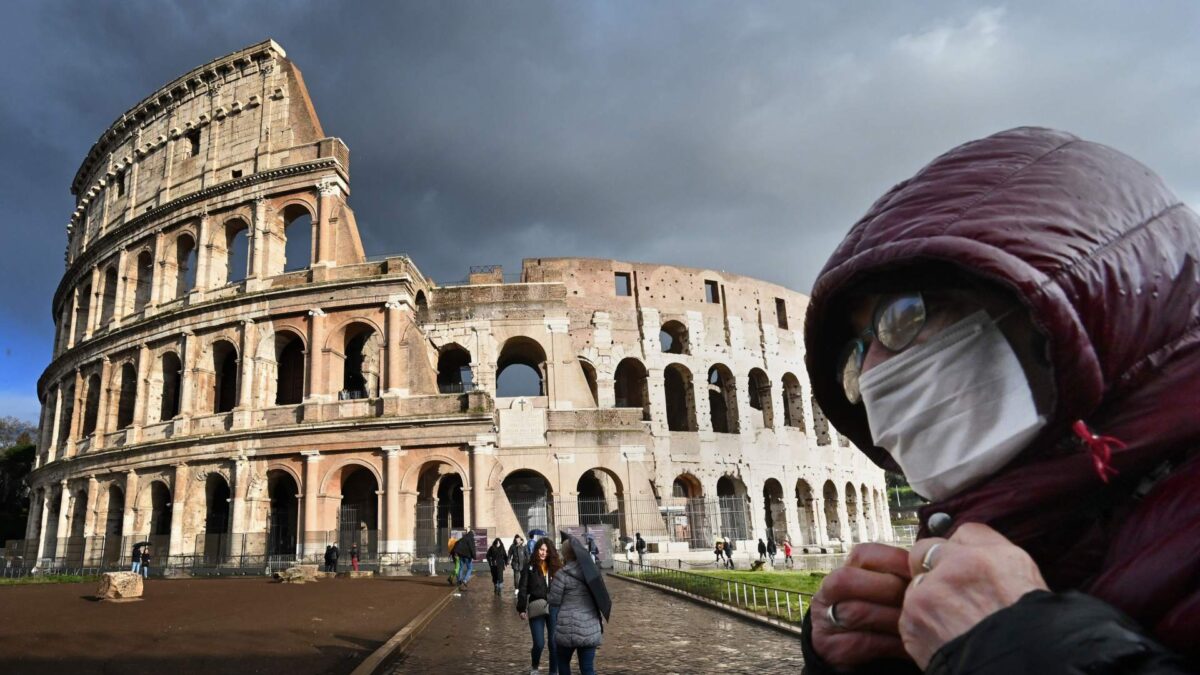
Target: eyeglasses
[[895, 323]]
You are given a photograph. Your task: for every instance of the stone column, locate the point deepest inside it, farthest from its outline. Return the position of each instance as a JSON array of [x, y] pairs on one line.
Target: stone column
[[178, 501], [129, 518], [160, 263], [316, 354], [44, 515], [326, 256], [142, 398], [76, 413], [93, 301], [245, 402], [844, 523], [312, 519], [397, 375], [483, 459], [821, 533], [71, 321], [64, 522], [392, 455], [203, 254], [258, 244], [237, 504], [55, 430], [187, 382], [89, 522], [102, 409], [119, 298]]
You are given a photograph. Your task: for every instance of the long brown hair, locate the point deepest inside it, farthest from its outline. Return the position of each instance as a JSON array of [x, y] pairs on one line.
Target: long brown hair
[[553, 563]]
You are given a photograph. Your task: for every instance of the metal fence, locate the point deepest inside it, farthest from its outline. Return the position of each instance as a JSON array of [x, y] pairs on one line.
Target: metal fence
[[779, 605]]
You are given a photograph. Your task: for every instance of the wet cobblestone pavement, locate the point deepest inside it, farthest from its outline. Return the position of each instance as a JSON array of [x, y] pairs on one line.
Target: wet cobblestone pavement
[[651, 632]]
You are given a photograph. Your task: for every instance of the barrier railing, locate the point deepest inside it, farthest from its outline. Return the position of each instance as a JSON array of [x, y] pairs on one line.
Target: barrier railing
[[779, 605]]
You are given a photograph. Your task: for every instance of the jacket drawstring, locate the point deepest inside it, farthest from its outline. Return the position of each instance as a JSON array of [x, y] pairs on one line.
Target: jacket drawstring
[[1101, 448]]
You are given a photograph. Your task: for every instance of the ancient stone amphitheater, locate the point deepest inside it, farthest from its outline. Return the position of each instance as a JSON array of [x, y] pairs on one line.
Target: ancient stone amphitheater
[[235, 381]]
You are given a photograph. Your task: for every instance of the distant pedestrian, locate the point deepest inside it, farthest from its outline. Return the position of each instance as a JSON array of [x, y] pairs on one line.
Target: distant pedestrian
[[719, 551], [640, 546], [464, 549], [329, 559], [518, 557], [772, 550], [787, 554], [578, 627], [593, 550], [146, 562], [762, 550], [497, 559], [354, 556], [136, 558], [533, 589], [728, 553]]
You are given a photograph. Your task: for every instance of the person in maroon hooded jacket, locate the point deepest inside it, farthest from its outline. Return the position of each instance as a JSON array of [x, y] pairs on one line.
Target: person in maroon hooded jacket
[[1016, 328]]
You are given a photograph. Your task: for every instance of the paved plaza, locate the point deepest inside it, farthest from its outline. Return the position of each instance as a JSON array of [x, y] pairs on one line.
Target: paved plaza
[[651, 632]]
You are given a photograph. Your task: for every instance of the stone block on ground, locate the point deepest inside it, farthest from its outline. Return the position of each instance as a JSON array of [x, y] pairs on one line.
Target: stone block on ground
[[120, 586], [297, 574]]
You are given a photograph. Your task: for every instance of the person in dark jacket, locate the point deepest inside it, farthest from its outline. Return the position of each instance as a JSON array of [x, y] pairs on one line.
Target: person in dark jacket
[[518, 557], [771, 550], [146, 562], [497, 560], [729, 553], [533, 589], [354, 556], [333, 558], [464, 550], [762, 550], [1014, 328], [328, 558], [578, 626], [719, 551], [640, 547]]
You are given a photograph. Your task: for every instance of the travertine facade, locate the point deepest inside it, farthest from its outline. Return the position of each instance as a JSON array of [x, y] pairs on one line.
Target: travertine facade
[[233, 377]]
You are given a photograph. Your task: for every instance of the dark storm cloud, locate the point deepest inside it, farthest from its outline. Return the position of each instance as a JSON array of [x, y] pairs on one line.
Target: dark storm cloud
[[738, 136]]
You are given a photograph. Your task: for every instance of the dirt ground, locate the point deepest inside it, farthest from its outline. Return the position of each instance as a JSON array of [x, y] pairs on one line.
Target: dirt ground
[[207, 626]]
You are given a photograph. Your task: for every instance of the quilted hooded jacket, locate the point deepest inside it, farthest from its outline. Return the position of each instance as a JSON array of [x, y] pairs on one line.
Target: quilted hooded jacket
[[1105, 259]]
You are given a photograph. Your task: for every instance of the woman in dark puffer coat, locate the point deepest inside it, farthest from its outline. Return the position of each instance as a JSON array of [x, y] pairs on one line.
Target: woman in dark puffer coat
[[578, 627], [1074, 547]]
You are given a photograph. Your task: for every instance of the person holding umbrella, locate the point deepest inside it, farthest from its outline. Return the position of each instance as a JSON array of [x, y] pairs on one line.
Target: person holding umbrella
[[579, 593]]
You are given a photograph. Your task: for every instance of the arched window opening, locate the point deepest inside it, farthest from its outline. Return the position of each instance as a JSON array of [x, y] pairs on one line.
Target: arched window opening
[[689, 516], [589, 375], [160, 511], [598, 501], [521, 368], [421, 302], [833, 527], [774, 511], [531, 499], [358, 518], [289, 364], [722, 400], [172, 374], [681, 399], [454, 374], [51, 533], [185, 265], [673, 337], [853, 515], [298, 238], [83, 302], [440, 507], [143, 279], [64, 422], [108, 302], [236, 254], [113, 521], [283, 517], [92, 405], [631, 386], [820, 424], [735, 508], [760, 397], [78, 519], [225, 381], [128, 396], [793, 402], [216, 518], [360, 373], [808, 517]]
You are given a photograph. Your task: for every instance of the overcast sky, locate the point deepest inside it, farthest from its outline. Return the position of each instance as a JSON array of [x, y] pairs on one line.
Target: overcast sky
[[734, 135]]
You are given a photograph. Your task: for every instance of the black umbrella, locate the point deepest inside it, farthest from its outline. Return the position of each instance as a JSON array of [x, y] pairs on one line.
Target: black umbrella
[[591, 574]]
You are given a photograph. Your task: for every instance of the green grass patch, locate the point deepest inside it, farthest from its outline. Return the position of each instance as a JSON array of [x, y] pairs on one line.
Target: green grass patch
[[32, 579], [803, 582], [777, 604]]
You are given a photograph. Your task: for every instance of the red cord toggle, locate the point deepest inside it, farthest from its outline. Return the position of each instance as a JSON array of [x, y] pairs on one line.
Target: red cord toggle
[[1101, 448]]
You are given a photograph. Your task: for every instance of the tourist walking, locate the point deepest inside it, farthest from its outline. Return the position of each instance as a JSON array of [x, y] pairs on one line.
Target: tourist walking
[[772, 550], [762, 550], [787, 554], [136, 558], [518, 557], [146, 562], [719, 551], [533, 589], [328, 558], [578, 626], [354, 557], [334, 554], [640, 547], [593, 550], [464, 550], [497, 560], [728, 553]]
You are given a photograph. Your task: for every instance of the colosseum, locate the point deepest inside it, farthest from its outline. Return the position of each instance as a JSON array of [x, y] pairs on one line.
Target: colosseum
[[235, 381]]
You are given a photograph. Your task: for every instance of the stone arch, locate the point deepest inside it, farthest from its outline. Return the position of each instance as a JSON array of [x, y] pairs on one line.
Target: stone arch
[[229, 251], [774, 510], [110, 522], [833, 525], [589, 376], [357, 364], [421, 302], [91, 407], [298, 232], [108, 296], [68, 411], [454, 374], [762, 399], [722, 400], [631, 386], [793, 402], [687, 499], [441, 504], [680, 397], [217, 513], [169, 385], [184, 263], [868, 513], [159, 527], [83, 311], [283, 364], [283, 511], [225, 375], [126, 396], [599, 498], [335, 471], [734, 502], [521, 368], [139, 280], [673, 338], [530, 494], [806, 511]]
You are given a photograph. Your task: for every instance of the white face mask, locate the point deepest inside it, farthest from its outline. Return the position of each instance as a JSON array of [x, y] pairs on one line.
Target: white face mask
[[953, 410]]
